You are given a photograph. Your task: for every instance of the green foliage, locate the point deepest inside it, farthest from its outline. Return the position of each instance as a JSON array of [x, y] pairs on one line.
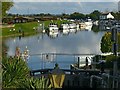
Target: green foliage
[[27, 27], [116, 15], [106, 43], [16, 75], [0, 75], [34, 83], [95, 28], [14, 71], [77, 15], [96, 58], [5, 7], [110, 59], [95, 15]]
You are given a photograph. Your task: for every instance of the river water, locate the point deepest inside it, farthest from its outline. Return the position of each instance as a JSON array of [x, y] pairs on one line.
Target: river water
[[80, 42]]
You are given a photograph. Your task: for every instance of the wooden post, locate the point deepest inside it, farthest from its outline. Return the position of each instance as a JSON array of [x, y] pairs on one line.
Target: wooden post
[[78, 62]]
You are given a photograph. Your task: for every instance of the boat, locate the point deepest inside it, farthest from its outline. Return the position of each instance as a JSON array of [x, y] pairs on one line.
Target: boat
[[82, 25], [53, 29], [64, 28], [88, 24], [72, 27]]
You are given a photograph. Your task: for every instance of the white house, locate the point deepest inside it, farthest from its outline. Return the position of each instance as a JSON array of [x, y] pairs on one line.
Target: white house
[[106, 16], [110, 16]]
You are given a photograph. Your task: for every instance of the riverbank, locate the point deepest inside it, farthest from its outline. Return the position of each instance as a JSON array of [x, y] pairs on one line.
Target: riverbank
[[28, 28]]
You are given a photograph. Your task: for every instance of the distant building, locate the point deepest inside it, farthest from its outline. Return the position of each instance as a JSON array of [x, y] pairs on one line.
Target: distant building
[[22, 19], [105, 16], [7, 20], [11, 20], [44, 18]]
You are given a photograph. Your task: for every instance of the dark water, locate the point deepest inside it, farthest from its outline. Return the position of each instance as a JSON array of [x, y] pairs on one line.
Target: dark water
[[81, 42]]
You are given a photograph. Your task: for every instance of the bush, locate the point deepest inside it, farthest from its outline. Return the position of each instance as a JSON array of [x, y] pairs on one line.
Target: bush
[[16, 75], [14, 71], [110, 59]]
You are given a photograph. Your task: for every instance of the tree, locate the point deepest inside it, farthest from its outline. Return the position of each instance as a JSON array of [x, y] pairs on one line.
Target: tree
[[5, 7], [77, 15], [106, 42], [95, 15]]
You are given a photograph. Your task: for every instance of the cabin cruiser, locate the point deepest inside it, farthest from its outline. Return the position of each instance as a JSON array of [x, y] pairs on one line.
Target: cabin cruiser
[[53, 29], [88, 24], [64, 28], [72, 27]]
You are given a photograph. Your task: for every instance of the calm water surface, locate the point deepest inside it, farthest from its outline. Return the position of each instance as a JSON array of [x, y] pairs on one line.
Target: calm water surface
[[81, 42]]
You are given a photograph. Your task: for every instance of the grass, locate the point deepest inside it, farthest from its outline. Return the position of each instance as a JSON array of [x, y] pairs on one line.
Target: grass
[[27, 28]]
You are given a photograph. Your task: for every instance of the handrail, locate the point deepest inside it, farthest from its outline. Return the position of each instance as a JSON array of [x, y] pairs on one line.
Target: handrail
[[42, 71]]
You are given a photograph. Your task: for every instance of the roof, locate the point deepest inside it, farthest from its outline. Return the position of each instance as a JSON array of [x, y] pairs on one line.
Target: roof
[[105, 13], [23, 18], [110, 16]]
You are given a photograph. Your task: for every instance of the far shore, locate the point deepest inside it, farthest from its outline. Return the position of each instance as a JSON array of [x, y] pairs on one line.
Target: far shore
[[26, 28]]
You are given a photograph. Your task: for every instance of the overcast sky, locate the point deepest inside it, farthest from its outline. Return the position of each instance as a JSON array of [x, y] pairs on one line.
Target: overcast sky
[[61, 7]]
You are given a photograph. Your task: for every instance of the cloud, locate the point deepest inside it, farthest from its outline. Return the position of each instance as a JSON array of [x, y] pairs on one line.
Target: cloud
[[60, 7], [65, 0]]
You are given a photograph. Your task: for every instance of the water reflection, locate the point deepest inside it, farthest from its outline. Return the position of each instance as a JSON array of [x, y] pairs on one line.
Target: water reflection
[[80, 42]]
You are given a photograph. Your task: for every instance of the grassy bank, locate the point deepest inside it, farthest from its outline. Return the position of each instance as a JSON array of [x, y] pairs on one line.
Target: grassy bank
[[26, 28]]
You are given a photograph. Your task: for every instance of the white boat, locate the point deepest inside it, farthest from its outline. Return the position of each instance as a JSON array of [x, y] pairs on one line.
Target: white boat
[[53, 29], [82, 25], [83, 60], [88, 24], [65, 28], [65, 31], [53, 35], [72, 27], [77, 27]]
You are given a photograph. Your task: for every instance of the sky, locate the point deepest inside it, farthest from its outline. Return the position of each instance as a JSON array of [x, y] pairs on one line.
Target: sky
[[61, 7]]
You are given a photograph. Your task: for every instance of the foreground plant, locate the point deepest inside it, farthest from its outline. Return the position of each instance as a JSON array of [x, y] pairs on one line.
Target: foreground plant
[[14, 71], [16, 75]]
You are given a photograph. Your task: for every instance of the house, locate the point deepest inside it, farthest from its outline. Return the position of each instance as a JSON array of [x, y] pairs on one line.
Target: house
[[44, 18], [22, 19], [105, 16], [11, 20], [7, 20]]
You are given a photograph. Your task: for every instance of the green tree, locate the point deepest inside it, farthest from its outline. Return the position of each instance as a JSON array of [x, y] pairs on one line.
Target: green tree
[[5, 7], [106, 43], [95, 28], [77, 15], [95, 15]]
